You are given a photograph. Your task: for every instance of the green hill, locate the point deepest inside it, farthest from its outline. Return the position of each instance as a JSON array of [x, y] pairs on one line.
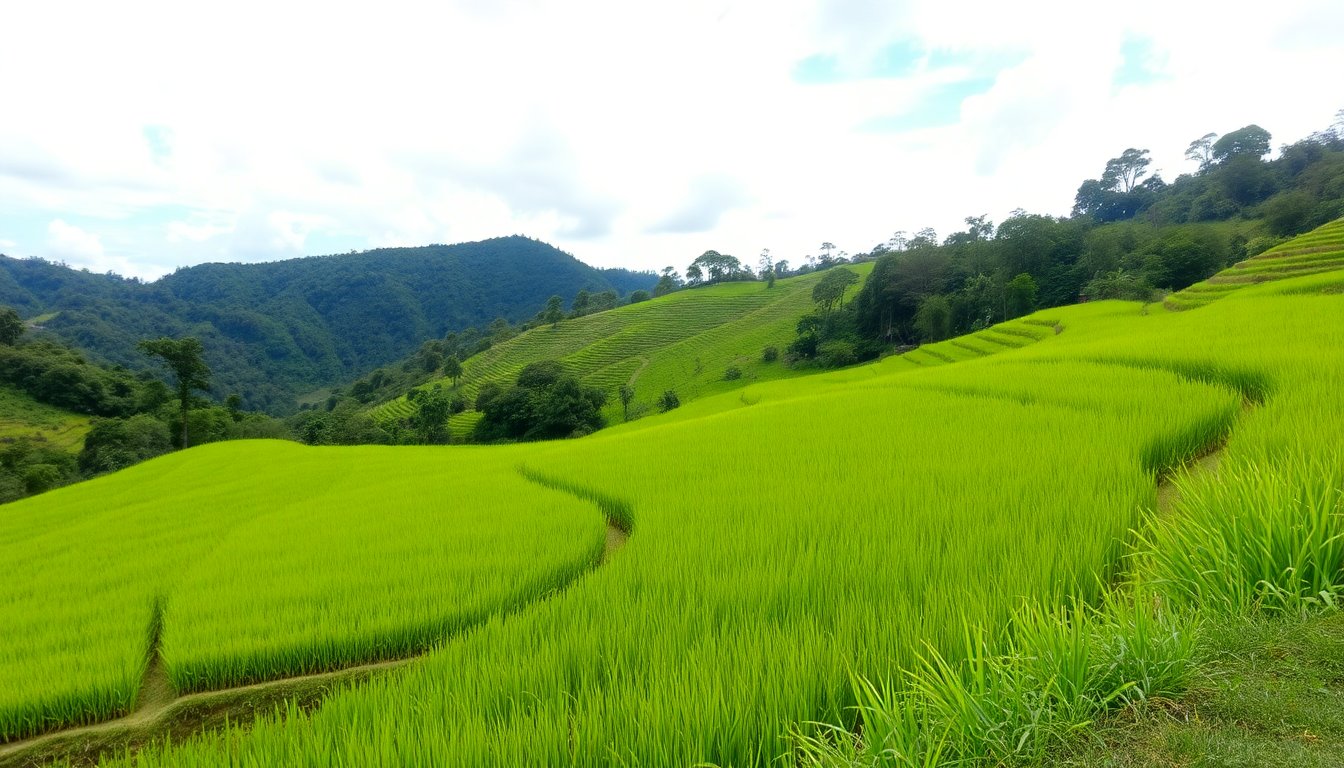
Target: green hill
[[685, 342], [975, 553], [275, 330]]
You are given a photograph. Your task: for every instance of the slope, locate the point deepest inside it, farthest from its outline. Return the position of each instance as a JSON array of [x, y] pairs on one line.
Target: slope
[[273, 330], [1318, 251], [684, 342]]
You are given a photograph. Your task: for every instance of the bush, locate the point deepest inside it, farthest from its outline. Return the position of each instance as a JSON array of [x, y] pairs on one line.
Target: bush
[[733, 373], [668, 401], [770, 354]]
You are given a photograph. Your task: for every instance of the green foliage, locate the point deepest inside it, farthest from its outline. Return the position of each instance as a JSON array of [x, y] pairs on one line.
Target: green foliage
[[273, 331], [185, 358], [1019, 296], [545, 403], [11, 326], [933, 319], [830, 290], [770, 354], [732, 373], [668, 401], [114, 444], [432, 408]]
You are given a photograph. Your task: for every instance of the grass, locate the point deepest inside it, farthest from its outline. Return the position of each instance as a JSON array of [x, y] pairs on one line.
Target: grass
[[968, 555], [255, 576], [1267, 692], [23, 417]]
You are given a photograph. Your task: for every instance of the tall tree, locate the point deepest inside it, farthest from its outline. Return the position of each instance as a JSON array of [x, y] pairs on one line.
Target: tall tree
[[1123, 173], [554, 312], [1252, 141], [452, 368], [668, 282], [830, 289], [1201, 151], [185, 358]]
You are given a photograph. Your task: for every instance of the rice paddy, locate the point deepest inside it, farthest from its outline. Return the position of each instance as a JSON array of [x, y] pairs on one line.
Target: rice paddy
[[799, 548], [684, 342]]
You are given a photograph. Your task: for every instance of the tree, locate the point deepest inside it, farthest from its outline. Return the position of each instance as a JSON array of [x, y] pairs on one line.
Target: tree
[[639, 296], [627, 393], [1251, 141], [234, 403], [668, 401], [579, 307], [668, 282], [430, 420], [767, 267], [1019, 296], [717, 266], [830, 289], [452, 368], [1122, 173], [694, 275], [11, 326], [554, 312], [933, 319], [1201, 151], [185, 358]]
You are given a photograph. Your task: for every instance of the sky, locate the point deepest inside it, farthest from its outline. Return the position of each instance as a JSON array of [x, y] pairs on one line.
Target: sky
[[139, 137]]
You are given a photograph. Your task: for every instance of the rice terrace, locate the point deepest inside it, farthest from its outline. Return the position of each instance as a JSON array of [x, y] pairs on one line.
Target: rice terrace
[[1060, 490]]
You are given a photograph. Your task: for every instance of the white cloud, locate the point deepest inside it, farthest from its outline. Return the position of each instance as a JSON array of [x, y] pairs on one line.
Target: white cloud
[[626, 133]]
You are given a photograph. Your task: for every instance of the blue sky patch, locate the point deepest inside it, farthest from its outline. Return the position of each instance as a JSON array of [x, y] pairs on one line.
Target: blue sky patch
[[941, 106], [1139, 63], [899, 59]]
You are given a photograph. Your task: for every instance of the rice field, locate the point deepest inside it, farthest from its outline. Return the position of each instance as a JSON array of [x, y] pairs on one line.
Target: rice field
[[24, 417], [247, 575], [788, 538], [1316, 252], [684, 341]]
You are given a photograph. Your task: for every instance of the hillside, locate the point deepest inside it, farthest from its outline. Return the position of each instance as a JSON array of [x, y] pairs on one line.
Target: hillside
[[982, 555], [274, 330], [1319, 251], [684, 342]]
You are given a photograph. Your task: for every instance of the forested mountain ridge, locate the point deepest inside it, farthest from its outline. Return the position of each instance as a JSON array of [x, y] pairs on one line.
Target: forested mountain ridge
[[274, 330]]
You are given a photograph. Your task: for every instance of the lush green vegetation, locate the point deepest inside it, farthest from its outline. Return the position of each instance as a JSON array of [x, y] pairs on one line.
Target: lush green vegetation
[[684, 342], [1131, 236], [1264, 693], [273, 331], [925, 528], [247, 575]]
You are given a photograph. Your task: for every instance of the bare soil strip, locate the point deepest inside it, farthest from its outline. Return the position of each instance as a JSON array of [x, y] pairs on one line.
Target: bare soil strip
[[161, 714]]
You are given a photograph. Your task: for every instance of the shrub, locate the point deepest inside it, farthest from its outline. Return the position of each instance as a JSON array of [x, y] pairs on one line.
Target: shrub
[[668, 401], [733, 373], [770, 354]]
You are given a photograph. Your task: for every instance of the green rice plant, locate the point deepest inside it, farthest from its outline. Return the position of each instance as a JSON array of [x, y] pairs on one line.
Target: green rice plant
[[380, 553]]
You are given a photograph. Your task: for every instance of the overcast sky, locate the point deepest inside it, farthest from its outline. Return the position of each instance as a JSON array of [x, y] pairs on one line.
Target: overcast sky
[[139, 137]]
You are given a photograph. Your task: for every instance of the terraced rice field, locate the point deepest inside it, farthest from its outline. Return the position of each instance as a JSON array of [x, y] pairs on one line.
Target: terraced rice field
[[27, 418], [1318, 251], [785, 539], [684, 342]]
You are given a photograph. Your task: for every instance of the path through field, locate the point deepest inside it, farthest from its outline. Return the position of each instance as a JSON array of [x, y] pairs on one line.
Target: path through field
[[160, 713]]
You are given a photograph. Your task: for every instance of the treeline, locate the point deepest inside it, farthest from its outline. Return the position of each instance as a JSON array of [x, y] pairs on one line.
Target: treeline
[[1131, 235], [273, 331], [137, 416]]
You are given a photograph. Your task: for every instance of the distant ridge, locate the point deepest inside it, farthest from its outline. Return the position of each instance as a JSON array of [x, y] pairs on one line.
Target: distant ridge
[[274, 330]]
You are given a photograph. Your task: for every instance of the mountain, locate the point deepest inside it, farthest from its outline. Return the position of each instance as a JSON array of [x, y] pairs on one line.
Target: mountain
[[278, 329]]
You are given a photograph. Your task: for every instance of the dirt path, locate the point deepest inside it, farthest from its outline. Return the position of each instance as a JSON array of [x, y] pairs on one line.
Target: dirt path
[[160, 713]]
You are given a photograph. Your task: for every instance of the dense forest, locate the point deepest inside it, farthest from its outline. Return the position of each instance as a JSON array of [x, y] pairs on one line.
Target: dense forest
[[273, 331]]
